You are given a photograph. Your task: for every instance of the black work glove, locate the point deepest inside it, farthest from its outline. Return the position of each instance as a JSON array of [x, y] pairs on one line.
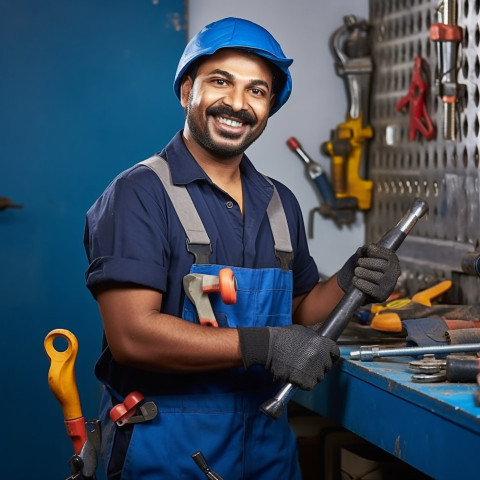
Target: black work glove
[[372, 269], [293, 353]]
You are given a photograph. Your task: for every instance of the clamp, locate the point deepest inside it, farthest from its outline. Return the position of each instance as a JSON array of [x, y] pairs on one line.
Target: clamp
[[416, 99], [346, 150], [197, 286]]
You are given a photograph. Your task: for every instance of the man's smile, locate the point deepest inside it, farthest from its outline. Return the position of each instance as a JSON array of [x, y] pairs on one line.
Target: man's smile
[[230, 122]]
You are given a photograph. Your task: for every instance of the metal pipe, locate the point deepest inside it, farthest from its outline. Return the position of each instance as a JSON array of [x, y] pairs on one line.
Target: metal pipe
[[368, 353]]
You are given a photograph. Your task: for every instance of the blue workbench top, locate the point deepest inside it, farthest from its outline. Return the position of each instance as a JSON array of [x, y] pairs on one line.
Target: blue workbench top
[[435, 427]]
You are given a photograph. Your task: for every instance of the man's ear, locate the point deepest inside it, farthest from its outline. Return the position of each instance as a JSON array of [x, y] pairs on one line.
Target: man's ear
[[185, 89]]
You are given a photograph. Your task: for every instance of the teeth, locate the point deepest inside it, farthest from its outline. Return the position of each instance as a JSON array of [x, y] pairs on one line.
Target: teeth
[[231, 123]]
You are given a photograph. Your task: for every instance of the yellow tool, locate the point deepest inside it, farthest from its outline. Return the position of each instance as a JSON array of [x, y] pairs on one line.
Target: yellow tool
[[62, 383], [388, 317], [345, 150]]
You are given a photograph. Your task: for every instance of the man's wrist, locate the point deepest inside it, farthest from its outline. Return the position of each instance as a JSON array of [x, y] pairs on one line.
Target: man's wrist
[[254, 343]]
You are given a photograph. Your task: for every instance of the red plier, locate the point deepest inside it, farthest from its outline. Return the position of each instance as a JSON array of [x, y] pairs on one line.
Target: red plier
[[416, 97]]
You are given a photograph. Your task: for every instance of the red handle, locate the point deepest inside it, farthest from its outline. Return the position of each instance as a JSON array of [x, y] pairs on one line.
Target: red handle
[[293, 143]]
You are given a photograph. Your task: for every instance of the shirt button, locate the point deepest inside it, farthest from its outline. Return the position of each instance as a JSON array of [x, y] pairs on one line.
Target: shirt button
[[229, 204]]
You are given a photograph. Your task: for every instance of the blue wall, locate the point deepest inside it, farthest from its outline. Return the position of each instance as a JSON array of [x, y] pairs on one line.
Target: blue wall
[[85, 91]]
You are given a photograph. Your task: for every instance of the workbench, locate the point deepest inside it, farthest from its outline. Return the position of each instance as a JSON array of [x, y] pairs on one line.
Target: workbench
[[435, 427]]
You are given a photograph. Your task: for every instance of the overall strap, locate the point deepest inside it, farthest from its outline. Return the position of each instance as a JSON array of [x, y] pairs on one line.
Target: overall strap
[[278, 224], [198, 242]]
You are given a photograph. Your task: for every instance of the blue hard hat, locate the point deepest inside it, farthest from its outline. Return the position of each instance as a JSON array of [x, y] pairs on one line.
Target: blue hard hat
[[237, 33]]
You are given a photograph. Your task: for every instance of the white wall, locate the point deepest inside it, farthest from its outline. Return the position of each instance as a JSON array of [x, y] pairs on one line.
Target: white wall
[[317, 105]]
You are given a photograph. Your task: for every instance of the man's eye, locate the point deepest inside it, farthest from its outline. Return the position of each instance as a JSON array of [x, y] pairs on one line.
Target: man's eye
[[257, 91], [219, 81]]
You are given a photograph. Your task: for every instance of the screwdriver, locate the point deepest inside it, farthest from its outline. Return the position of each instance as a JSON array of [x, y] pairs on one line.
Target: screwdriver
[[315, 171], [202, 464]]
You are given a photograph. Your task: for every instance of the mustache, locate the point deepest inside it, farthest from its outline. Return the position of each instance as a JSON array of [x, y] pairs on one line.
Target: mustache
[[224, 110]]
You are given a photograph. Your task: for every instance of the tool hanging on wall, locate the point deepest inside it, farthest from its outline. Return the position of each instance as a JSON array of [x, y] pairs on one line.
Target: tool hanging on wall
[[85, 436], [447, 35], [350, 46], [341, 210], [415, 99]]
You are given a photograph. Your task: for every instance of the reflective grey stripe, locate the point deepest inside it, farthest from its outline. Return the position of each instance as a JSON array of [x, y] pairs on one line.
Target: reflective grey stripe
[[192, 224], [182, 202]]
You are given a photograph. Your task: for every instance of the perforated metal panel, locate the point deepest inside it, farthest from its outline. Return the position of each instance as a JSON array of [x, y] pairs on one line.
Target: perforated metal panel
[[443, 172]]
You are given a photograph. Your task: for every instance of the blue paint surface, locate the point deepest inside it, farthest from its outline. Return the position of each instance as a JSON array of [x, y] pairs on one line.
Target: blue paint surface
[[85, 91], [434, 427]]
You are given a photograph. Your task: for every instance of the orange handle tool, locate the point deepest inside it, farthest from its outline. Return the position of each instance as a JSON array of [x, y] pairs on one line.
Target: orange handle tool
[[197, 286], [62, 383], [389, 319]]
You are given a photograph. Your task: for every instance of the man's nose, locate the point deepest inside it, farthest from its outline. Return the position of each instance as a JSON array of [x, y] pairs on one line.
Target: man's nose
[[236, 99]]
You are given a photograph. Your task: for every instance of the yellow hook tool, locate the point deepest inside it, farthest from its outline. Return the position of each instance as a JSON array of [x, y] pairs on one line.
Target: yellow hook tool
[[62, 383]]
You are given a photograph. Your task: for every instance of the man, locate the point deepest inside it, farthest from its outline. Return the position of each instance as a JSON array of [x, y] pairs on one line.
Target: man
[[196, 208]]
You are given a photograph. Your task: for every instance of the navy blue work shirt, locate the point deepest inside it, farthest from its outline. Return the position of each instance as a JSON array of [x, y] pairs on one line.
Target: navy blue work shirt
[[133, 235]]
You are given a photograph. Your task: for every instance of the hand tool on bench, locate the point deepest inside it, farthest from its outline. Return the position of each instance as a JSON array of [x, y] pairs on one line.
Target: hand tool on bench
[[353, 299], [341, 210], [388, 318], [197, 286], [62, 383], [462, 368], [368, 353]]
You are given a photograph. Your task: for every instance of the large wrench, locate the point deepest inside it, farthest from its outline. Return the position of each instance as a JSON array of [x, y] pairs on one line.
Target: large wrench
[[350, 302]]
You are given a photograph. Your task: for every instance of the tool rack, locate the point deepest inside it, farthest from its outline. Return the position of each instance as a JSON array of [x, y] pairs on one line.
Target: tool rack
[[443, 172], [433, 427]]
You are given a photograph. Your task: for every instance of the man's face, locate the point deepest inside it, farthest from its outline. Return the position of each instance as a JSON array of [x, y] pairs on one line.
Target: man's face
[[228, 103]]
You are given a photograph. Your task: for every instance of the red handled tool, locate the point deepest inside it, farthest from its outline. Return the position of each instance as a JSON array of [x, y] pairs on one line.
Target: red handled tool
[[416, 99], [351, 301], [341, 210], [197, 286], [133, 410]]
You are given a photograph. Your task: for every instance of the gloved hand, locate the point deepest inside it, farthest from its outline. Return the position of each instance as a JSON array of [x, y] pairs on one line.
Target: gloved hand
[[293, 353], [372, 269]]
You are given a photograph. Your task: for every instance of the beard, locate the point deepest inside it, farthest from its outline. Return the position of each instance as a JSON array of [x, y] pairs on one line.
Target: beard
[[201, 133]]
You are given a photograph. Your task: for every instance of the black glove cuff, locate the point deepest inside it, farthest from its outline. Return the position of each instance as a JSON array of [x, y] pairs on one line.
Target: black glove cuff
[[347, 272], [254, 343]]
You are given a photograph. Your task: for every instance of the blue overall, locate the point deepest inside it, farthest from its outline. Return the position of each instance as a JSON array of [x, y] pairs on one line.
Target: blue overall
[[221, 416]]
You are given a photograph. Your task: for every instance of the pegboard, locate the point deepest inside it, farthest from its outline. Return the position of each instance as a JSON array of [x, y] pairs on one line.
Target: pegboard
[[443, 172]]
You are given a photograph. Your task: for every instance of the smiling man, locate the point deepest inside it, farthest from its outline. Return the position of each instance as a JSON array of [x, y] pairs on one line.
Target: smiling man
[[189, 212]]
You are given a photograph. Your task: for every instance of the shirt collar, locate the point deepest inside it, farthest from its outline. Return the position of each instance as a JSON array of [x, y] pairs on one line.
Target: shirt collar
[[184, 168]]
